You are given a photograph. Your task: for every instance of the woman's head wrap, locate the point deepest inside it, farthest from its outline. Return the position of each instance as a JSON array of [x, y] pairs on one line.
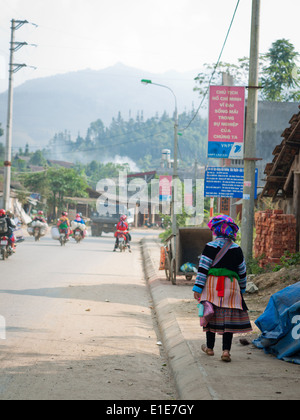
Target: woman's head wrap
[[224, 226]]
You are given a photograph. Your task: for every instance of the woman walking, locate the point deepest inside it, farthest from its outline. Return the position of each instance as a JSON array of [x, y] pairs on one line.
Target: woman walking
[[221, 280]]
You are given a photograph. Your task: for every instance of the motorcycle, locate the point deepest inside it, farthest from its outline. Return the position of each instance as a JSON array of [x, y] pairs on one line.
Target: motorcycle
[[37, 233], [77, 235], [37, 229], [123, 242], [62, 238], [5, 248]]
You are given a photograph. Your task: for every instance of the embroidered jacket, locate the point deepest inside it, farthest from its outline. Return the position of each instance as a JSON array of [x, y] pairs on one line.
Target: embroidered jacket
[[233, 260]]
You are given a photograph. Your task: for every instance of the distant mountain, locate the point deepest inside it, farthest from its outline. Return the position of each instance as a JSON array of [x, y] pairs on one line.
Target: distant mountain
[[71, 101]]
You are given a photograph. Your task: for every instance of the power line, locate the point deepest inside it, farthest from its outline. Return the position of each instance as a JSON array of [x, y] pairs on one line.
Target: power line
[[92, 149], [215, 68]]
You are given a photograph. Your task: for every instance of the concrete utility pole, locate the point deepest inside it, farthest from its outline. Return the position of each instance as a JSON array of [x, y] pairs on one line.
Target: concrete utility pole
[[175, 170], [250, 140], [13, 68]]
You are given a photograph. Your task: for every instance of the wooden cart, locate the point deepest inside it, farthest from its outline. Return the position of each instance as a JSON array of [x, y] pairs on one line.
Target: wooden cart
[[190, 242]]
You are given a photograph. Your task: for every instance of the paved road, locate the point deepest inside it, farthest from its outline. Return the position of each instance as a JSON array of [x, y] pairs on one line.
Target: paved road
[[79, 324]]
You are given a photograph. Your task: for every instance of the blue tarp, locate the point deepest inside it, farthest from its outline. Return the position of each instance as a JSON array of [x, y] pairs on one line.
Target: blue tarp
[[280, 325]]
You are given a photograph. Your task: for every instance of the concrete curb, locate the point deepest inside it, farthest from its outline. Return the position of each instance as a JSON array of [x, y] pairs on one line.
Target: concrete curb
[[190, 377]]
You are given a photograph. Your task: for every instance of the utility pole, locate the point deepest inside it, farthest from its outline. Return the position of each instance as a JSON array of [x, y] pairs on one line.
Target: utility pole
[[175, 171], [250, 138], [13, 68]]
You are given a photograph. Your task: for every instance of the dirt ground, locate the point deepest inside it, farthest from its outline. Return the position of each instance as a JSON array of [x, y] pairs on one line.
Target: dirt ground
[[269, 284]]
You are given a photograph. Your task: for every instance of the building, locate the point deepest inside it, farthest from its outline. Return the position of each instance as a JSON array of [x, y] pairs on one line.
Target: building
[[282, 182]]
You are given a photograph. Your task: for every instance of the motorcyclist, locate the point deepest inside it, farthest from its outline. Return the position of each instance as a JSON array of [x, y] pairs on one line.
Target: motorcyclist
[[40, 222], [80, 220], [40, 217], [7, 229], [63, 224], [122, 227]]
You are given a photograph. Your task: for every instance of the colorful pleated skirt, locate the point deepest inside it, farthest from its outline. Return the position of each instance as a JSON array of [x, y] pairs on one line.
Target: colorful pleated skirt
[[230, 310], [227, 320]]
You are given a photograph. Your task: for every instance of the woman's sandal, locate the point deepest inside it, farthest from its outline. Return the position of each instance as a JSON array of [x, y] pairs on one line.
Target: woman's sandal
[[226, 356], [206, 350]]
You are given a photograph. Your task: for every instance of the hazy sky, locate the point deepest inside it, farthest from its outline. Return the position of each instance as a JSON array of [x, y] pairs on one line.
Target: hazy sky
[[155, 35]]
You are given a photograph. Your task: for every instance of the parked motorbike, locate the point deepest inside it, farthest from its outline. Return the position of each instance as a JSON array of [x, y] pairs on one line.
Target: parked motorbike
[[5, 248]]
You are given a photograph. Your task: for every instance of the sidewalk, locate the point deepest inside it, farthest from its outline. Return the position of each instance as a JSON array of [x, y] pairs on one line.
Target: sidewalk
[[252, 375]]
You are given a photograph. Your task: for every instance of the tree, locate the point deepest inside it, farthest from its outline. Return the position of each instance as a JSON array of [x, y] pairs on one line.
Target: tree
[[134, 140], [280, 74], [213, 74], [55, 184], [65, 183], [2, 152], [36, 182], [27, 149], [278, 68], [96, 131], [38, 159]]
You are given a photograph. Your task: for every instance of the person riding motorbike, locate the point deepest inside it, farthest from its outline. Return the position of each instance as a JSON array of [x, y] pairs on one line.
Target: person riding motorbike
[[40, 222], [122, 227], [63, 224], [80, 220], [7, 227], [39, 217]]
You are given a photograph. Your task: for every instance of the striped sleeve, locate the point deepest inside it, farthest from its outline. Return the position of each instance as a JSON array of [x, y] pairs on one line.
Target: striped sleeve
[[204, 265], [242, 272]]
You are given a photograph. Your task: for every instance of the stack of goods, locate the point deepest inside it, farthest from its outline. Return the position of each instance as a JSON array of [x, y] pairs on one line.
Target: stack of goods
[[275, 234], [77, 225], [37, 224]]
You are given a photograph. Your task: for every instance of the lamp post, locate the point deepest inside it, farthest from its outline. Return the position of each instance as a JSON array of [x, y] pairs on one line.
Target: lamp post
[[174, 226]]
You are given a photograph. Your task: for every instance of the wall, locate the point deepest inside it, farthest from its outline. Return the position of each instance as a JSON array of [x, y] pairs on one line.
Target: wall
[[275, 234]]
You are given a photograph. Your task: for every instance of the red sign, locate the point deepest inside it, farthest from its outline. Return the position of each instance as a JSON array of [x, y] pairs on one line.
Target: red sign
[[226, 122], [165, 188]]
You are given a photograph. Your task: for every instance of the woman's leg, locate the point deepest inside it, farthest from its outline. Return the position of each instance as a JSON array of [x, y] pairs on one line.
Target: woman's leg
[[227, 341], [210, 340], [210, 343]]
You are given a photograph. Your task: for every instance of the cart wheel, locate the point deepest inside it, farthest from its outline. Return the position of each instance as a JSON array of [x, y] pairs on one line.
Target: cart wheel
[[173, 271], [189, 277], [168, 268]]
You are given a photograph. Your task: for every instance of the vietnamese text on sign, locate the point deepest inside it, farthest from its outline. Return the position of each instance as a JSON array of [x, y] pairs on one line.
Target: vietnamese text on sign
[[226, 122]]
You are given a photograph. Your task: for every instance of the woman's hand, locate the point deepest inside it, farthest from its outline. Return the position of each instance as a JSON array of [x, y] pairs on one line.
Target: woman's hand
[[197, 295]]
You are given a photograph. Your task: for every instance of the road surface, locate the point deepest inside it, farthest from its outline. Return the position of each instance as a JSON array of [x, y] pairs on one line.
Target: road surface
[[79, 324]]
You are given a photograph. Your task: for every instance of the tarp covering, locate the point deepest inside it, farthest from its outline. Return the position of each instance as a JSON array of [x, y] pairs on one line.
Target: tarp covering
[[280, 325]]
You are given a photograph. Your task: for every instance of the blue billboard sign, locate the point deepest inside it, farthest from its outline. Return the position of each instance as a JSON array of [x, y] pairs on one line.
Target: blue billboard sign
[[225, 182]]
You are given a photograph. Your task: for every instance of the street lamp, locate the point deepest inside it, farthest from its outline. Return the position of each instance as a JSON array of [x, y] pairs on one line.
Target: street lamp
[[174, 227]]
